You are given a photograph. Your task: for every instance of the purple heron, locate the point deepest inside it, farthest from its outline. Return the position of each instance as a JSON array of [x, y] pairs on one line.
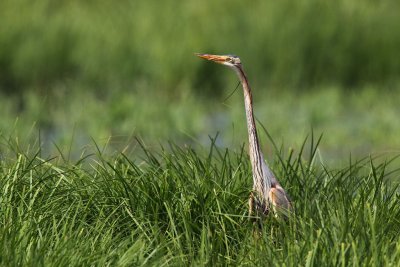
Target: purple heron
[[267, 192]]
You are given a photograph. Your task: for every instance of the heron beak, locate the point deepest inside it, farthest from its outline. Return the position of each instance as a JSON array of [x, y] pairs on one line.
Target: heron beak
[[216, 58]]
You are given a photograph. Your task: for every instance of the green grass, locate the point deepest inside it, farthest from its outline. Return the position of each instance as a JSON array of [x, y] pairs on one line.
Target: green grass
[[183, 206], [126, 69], [73, 71], [299, 44], [361, 123]]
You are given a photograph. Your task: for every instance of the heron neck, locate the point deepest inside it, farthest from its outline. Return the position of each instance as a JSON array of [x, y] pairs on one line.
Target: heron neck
[[256, 156]]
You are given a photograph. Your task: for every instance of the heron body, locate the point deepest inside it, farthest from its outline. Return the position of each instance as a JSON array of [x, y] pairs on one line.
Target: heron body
[[267, 192]]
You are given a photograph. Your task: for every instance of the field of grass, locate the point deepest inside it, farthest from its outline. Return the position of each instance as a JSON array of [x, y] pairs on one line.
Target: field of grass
[[360, 123], [106, 157], [299, 44], [188, 206], [73, 71]]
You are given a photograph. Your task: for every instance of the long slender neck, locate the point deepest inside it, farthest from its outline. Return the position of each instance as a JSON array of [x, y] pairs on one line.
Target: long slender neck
[[261, 184]]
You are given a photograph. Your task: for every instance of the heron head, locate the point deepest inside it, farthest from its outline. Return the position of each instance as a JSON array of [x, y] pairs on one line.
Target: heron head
[[228, 60]]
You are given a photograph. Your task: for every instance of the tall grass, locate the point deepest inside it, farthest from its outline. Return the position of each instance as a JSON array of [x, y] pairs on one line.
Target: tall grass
[[183, 206], [353, 123], [296, 44], [64, 64]]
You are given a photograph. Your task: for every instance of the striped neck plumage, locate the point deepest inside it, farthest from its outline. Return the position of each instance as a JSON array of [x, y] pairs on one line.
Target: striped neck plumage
[[261, 172]]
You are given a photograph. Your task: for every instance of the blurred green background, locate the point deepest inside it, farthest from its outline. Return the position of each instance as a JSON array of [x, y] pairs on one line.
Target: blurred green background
[[73, 71]]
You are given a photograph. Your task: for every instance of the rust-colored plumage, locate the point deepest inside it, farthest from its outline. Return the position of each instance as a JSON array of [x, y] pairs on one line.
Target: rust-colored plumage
[[267, 192]]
